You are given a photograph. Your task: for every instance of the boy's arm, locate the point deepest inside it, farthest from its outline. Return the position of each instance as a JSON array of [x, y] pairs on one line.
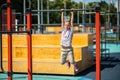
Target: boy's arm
[[72, 18], [62, 17]]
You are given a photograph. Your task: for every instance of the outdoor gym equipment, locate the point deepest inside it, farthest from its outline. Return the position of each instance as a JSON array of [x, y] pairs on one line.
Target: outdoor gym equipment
[[9, 32]]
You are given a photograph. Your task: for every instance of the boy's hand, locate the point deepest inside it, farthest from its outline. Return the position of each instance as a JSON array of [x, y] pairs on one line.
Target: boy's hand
[[72, 10], [62, 10]]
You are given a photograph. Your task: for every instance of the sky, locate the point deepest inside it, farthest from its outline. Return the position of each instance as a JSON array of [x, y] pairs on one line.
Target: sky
[[109, 1], [96, 0]]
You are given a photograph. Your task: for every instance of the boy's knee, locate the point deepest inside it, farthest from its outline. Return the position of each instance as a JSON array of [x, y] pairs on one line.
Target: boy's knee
[[72, 62], [62, 63]]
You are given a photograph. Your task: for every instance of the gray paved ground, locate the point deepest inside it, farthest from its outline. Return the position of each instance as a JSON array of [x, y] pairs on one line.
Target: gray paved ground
[[110, 69]]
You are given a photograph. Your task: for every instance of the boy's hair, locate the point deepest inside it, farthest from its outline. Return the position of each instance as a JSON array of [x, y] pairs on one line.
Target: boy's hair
[[66, 18]]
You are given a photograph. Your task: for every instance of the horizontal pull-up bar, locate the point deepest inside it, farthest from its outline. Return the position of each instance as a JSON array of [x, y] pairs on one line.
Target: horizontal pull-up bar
[[57, 24], [63, 10]]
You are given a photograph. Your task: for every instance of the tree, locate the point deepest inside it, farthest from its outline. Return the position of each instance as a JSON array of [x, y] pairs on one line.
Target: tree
[[104, 11], [59, 4]]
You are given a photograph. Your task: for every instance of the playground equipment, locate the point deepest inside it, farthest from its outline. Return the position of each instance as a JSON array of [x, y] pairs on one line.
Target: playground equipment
[[1, 65], [46, 53], [9, 32], [98, 73], [66, 10]]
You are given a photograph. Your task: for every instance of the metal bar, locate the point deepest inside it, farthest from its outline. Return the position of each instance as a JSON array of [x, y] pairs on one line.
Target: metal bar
[[57, 24], [29, 1], [47, 24], [38, 2], [29, 40], [1, 65], [98, 72], [64, 10], [4, 5], [65, 7], [118, 21], [9, 26], [48, 14], [41, 12], [78, 14], [12, 32], [83, 17], [24, 16], [89, 18], [15, 25]]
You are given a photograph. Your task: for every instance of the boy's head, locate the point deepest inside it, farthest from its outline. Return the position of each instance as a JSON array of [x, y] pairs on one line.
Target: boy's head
[[67, 21]]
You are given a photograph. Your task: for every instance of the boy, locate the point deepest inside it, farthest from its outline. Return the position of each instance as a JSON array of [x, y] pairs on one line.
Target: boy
[[66, 40]]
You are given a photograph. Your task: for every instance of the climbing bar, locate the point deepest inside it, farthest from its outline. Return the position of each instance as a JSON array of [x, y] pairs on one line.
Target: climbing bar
[[63, 10]]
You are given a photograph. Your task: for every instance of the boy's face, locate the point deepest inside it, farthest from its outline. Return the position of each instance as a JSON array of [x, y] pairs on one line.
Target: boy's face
[[67, 24]]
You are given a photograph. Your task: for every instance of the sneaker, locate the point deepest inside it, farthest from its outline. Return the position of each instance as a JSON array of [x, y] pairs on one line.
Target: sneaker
[[76, 68], [68, 64]]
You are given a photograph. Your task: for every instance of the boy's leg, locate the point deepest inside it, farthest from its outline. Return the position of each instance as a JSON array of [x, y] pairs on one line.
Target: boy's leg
[[63, 57], [71, 59]]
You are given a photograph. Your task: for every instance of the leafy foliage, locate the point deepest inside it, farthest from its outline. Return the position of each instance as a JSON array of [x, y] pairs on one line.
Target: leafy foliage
[[59, 4]]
